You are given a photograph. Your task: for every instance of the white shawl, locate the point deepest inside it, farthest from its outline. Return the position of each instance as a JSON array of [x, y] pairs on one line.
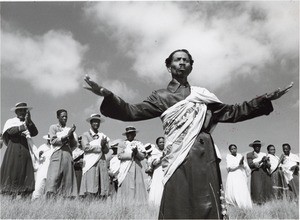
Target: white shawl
[[126, 164], [287, 163], [13, 122], [91, 158], [182, 122]]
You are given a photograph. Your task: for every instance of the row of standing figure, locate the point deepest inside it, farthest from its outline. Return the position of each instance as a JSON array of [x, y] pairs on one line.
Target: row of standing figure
[[271, 177], [68, 166]]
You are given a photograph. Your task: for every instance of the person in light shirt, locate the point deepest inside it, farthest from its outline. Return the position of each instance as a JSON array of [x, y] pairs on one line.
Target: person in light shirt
[[290, 168], [61, 177], [279, 186], [95, 144], [236, 191]]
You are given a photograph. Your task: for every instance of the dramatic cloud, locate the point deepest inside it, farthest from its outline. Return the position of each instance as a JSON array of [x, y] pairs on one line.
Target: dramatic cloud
[[51, 63], [225, 38]]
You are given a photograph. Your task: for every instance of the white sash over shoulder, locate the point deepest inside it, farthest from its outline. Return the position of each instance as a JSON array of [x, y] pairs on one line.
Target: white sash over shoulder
[[182, 122], [32, 148], [90, 159]]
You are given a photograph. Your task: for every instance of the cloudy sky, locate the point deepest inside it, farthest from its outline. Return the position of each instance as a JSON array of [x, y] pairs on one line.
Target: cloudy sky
[[241, 50]]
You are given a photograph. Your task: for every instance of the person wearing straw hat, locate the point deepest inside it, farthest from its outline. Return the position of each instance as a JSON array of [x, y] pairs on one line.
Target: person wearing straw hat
[[61, 177], [20, 158], [44, 151], [261, 182], [131, 174], [113, 167], [189, 115], [95, 144]]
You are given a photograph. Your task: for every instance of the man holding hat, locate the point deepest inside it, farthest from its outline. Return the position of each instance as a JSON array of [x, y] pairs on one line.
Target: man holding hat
[[95, 178], [131, 175], [261, 182], [17, 170]]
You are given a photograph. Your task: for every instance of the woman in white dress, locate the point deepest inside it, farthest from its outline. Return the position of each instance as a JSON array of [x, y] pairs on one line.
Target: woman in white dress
[[157, 186], [237, 192]]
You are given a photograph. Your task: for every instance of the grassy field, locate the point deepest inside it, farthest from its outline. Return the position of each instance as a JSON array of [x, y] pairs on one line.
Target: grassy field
[[113, 209]]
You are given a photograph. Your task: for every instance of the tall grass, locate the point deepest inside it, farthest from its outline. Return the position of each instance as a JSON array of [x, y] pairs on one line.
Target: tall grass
[[75, 209], [116, 209], [274, 209]]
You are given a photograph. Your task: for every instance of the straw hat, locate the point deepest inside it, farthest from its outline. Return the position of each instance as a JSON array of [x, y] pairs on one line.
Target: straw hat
[[129, 129], [21, 105], [148, 148], [95, 116], [256, 142]]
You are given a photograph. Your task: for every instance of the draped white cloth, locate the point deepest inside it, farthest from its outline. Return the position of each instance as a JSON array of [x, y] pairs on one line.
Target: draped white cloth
[[258, 157], [13, 122], [41, 174], [126, 164], [182, 122], [287, 163], [236, 191], [156, 186], [274, 161], [91, 158]]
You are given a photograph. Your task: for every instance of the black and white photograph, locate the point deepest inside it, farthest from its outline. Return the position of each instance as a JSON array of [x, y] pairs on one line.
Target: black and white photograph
[[149, 110]]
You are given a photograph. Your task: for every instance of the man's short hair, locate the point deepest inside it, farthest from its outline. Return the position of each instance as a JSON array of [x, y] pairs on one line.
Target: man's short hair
[[269, 146], [169, 59], [58, 112], [286, 144]]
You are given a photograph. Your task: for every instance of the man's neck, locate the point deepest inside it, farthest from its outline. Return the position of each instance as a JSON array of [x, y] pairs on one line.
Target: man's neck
[[181, 80], [95, 130]]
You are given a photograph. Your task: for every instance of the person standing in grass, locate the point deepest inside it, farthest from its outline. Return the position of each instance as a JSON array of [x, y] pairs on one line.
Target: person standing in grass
[[95, 144], [17, 169], [113, 169], [131, 183], [236, 191], [279, 186], [61, 178], [192, 180], [45, 151], [157, 186], [261, 182], [290, 168]]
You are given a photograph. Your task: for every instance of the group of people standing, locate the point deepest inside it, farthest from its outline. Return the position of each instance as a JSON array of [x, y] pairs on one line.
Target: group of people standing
[[271, 177], [191, 174], [90, 166]]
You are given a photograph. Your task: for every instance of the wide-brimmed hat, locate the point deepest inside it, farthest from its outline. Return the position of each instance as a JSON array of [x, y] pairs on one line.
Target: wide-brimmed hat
[[130, 129], [115, 143], [256, 142], [46, 137], [148, 148], [95, 116], [21, 105]]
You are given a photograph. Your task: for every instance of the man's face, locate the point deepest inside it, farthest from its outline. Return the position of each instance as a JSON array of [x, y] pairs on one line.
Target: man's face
[[256, 148], [95, 124], [62, 118], [21, 113], [271, 150], [131, 135], [286, 150], [181, 65]]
